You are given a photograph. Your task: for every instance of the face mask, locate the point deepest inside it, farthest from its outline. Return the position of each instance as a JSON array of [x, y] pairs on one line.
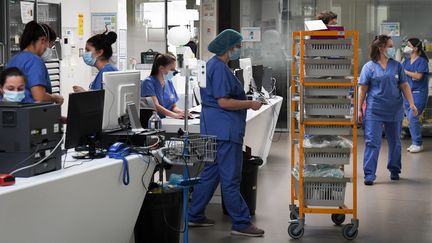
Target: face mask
[[390, 52], [47, 54], [13, 96], [235, 54], [169, 75], [408, 50], [89, 59]]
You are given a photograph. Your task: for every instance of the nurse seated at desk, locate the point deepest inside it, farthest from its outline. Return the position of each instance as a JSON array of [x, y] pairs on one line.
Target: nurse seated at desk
[[12, 85], [160, 88]]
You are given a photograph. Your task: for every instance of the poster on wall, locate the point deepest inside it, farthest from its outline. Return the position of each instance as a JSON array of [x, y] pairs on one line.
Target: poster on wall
[[27, 11], [390, 28], [101, 22], [251, 34]]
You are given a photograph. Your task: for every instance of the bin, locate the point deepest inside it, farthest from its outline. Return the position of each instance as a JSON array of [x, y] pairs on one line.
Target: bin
[[248, 185], [160, 214]]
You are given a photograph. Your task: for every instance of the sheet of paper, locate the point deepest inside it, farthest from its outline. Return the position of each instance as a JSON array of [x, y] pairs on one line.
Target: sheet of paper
[[312, 25], [27, 12]]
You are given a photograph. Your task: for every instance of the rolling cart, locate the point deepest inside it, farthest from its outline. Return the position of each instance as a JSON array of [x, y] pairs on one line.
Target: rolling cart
[[323, 102]]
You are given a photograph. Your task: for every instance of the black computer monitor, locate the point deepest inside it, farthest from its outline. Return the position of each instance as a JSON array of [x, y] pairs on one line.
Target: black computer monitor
[[239, 74], [267, 82], [84, 122], [257, 74]]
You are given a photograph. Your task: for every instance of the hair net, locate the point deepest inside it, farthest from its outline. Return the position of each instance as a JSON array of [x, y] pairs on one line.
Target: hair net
[[224, 41]]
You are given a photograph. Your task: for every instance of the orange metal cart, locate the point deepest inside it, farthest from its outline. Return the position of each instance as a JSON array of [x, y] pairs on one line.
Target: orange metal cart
[[320, 68]]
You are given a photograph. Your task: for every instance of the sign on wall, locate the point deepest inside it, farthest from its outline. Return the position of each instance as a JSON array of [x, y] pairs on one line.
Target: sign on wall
[[390, 28], [251, 34]]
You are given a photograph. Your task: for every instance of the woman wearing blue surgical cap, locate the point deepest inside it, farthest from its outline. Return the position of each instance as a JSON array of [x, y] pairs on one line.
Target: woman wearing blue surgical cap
[[383, 80], [223, 115], [36, 42]]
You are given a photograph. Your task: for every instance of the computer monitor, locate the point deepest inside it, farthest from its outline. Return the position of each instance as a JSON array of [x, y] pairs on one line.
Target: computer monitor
[[121, 89], [246, 65], [257, 73], [267, 81], [84, 121], [239, 74]]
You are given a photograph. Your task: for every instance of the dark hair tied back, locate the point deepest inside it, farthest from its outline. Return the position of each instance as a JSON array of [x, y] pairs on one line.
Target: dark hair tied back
[[161, 60], [377, 43], [104, 42]]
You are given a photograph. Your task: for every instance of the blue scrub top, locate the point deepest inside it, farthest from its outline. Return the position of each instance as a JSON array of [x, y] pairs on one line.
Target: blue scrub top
[[35, 71], [166, 96], [384, 97], [97, 82], [221, 83], [420, 65]]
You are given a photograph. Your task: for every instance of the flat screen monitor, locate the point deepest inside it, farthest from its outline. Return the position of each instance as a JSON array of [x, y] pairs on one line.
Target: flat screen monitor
[[121, 89], [257, 73], [267, 82], [239, 74], [246, 65], [84, 121]]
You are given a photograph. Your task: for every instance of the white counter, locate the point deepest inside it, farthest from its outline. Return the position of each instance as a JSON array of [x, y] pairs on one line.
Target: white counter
[[86, 203]]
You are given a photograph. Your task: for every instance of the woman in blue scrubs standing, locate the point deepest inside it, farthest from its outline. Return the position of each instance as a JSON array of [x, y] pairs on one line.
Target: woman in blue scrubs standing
[[36, 42], [417, 71], [383, 80], [98, 54], [223, 115], [160, 88]]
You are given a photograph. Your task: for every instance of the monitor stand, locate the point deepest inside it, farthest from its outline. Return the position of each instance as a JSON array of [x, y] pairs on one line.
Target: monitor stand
[[93, 153]]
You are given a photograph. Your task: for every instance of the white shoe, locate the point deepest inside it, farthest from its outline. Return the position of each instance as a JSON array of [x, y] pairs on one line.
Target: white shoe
[[410, 147], [416, 148]]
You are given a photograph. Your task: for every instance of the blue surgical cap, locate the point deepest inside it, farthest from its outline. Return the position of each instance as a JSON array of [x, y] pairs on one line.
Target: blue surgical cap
[[226, 40]]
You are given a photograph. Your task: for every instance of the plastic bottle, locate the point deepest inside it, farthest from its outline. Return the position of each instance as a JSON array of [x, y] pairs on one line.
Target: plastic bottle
[[155, 122]]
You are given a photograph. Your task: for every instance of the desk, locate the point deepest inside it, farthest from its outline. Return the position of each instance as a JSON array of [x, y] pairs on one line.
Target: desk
[[260, 127], [86, 203]]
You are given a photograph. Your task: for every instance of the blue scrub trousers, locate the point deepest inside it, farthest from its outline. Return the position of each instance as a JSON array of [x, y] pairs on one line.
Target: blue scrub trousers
[[373, 133], [226, 170], [420, 101]]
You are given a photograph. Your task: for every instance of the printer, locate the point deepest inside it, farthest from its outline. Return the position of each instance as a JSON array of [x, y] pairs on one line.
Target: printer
[[28, 133]]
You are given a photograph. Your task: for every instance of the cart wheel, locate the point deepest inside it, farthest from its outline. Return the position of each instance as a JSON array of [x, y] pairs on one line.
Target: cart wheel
[[293, 232], [338, 219], [346, 232]]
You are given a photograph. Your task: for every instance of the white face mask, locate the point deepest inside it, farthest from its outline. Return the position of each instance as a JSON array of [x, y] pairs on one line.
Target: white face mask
[[47, 54], [408, 50]]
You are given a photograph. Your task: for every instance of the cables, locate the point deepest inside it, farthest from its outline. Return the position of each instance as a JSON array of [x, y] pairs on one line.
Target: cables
[[24, 160], [42, 160]]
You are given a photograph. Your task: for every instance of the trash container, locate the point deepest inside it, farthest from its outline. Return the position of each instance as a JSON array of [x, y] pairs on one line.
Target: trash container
[[160, 217], [248, 185]]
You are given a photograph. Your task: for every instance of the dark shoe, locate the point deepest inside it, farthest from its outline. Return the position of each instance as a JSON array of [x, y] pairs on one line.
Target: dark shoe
[[202, 223], [394, 177], [368, 183], [251, 231]]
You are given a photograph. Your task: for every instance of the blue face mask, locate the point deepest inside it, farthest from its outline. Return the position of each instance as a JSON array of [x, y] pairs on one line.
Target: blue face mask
[[89, 59], [13, 96], [169, 75], [235, 54], [390, 52]]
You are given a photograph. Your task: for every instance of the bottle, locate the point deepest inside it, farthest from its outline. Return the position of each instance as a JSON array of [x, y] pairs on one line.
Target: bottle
[[155, 122]]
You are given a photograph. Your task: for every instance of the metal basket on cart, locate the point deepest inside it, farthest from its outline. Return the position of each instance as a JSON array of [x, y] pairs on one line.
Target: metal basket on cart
[[323, 191], [190, 149]]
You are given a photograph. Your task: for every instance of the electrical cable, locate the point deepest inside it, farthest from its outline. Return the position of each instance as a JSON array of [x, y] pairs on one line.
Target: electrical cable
[[42, 160], [24, 160]]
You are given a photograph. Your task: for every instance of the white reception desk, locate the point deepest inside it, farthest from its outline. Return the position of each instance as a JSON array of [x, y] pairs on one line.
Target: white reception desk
[[260, 127], [86, 203]]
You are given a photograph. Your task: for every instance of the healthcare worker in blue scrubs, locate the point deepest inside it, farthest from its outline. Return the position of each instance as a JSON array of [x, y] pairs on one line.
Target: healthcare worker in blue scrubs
[[160, 88], [223, 115], [382, 82], [417, 71], [12, 85], [98, 54], [36, 42]]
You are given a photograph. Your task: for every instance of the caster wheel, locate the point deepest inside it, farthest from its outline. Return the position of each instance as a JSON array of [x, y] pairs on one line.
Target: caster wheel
[[338, 219], [346, 232], [293, 232]]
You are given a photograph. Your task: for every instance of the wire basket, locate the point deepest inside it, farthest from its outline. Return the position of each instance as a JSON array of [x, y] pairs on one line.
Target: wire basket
[[191, 149]]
